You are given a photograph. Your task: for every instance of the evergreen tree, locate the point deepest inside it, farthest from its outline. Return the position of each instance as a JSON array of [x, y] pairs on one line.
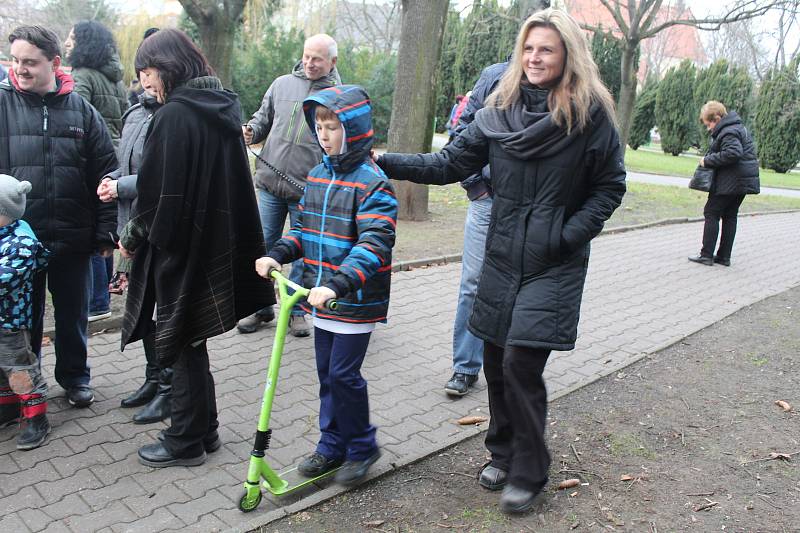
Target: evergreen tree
[[644, 115], [777, 119], [445, 87], [607, 53], [675, 113], [729, 85]]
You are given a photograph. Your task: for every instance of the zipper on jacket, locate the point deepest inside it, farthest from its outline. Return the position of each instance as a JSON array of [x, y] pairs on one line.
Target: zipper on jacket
[[291, 122], [48, 189], [322, 229]]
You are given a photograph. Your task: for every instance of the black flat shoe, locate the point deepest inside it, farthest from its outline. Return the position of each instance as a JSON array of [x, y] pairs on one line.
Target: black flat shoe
[[515, 500], [701, 259], [157, 456], [211, 442], [142, 396], [492, 478], [722, 261]]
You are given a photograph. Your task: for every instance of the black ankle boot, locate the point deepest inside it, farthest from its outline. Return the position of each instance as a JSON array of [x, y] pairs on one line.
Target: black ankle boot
[[160, 407], [142, 396], [34, 432]]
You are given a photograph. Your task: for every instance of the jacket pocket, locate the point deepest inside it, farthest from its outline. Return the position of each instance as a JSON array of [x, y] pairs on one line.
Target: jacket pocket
[[542, 244]]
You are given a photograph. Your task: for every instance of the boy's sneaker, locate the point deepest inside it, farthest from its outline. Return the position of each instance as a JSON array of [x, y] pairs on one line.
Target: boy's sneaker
[[80, 396], [34, 432], [99, 315], [317, 464], [460, 383], [353, 472], [9, 414]]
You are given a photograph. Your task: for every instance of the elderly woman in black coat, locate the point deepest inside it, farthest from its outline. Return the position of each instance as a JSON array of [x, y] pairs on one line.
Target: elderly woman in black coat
[[557, 175], [732, 155], [195, 234]]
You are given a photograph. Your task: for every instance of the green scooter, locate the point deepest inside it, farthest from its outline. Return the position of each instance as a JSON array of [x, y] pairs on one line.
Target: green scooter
[[258, 469]]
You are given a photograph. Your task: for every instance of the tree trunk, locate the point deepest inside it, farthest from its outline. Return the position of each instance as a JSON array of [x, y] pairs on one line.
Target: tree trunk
[[525, 8], [627, 91], [217, 23], [411, 127]]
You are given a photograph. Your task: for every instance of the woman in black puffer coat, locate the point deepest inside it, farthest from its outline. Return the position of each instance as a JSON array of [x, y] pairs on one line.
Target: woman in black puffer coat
[[557, 175], [732, 154]]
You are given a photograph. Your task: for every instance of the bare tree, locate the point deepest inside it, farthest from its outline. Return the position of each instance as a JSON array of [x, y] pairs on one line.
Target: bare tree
[[369, 23], [638, 20], [742, 45], [411, 127], [217, 22]]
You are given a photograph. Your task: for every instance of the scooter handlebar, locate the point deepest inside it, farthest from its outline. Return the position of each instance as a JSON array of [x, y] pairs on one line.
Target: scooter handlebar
[[330, 305]]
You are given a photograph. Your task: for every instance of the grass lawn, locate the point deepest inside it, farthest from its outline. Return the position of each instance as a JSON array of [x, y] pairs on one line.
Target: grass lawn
[[443, 233], [656, 162]]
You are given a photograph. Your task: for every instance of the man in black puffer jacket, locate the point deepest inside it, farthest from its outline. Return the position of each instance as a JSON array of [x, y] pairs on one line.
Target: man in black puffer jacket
[[732, 155], [51, 137]]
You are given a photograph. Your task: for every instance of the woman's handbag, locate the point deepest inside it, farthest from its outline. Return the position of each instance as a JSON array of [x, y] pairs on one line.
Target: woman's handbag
[[701, 181]]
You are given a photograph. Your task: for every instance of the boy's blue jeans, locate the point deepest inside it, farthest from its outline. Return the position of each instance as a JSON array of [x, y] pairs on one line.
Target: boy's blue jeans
[[273, 211], [467, 348], [345, 430]]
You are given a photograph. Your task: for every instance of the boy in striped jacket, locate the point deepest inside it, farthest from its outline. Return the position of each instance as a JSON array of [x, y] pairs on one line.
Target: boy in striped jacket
[[345, 233]]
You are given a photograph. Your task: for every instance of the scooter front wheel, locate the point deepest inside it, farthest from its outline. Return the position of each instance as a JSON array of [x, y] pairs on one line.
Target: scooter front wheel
[[248, 503]]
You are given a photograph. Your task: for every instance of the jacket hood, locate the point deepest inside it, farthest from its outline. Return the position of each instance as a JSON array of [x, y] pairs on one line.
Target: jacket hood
[[325, 81], [64, 82], [206, 97], [113, 70], [526, 129], [731, 119], [352, 105]]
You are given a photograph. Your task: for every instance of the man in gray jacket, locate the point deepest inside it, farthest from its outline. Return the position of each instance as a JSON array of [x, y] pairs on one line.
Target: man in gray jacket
[[289, 152]]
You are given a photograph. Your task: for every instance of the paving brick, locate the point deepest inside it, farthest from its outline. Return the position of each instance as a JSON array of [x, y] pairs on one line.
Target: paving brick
[[148, 502], [121, 490], [66, 508], [112, 514], [212, 501], [12, 522], [53, 491], [12, 483], [35, 519], [159, 520]]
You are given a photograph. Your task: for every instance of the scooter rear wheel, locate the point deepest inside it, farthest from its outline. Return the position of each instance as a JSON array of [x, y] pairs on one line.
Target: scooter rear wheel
[[246, 504]]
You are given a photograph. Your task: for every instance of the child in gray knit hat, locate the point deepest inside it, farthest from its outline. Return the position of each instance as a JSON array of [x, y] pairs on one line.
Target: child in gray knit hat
[[23, 390]]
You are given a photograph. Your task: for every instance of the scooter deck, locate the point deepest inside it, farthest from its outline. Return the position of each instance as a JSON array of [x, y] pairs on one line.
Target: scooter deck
[[295, 481]]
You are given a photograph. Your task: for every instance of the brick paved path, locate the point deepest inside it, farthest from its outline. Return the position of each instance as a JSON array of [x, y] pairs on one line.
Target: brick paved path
[[641, 295]]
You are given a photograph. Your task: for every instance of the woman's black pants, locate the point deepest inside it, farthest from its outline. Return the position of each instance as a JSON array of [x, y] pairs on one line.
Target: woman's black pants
[[518, 408], [194, 403], [725, 207]]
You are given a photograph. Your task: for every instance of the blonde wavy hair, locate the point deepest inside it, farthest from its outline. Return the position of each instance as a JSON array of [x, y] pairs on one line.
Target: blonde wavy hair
[[580, 84]]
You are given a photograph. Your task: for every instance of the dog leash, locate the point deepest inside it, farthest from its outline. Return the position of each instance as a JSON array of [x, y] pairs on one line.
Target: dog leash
[[279, 172]]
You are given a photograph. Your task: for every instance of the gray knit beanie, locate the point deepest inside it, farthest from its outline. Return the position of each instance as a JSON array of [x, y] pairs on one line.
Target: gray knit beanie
[[12, 196]]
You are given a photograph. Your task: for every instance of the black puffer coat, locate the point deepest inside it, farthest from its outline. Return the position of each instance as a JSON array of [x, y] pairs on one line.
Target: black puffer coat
[[552, 195], [60, 144], [732, 154]]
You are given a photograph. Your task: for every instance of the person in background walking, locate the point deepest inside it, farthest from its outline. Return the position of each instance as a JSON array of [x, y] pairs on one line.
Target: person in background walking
[[289, 152], [451, 123], [91, 51], [155, 394], [732, 155], [548, 133], [56, 140], [467, 348]]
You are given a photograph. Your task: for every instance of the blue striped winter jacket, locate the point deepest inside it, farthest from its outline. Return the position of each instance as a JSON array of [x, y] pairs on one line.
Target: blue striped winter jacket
[[348, 215]]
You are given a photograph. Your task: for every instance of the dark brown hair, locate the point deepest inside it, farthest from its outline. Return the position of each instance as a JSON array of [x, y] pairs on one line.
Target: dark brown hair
[[40, 37], [176, 58], [324, 113]]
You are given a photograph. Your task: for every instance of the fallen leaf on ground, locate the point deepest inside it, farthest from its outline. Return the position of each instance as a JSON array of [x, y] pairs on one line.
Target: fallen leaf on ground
[[46, 341], [786, 406], [568, 484], [304, 516], [781, 456], [469, 420], [374, 523], [626, 477]]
